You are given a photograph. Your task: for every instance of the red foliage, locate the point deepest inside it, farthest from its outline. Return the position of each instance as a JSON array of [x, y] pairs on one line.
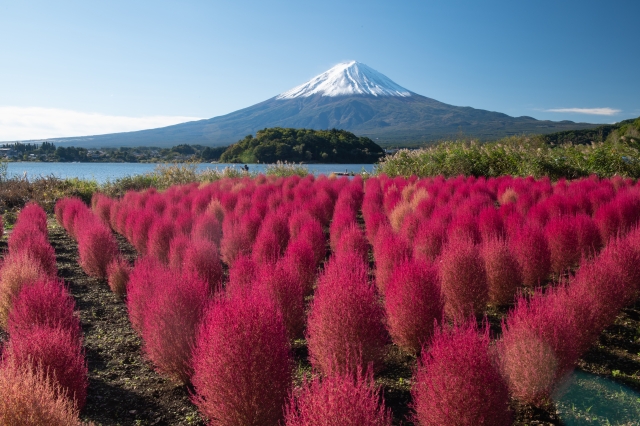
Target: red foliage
[[29, 398], [540, 344], [339, 399], [503, 272], [242, 362], [388, 250], [140, 225], [171, 315], [160, 234], [345, 324], [118, 275], [43, 304], [38, 249], [457, 382], [563, 242], [430, 237], [352, 240], [57, 352], [207, 227], [413, 304], [530, 248], [490, 224], [299, 261], [242, 274], [177, 248], [464, 281], [202, 258], [101, 206], [282, 285], [97, 247]]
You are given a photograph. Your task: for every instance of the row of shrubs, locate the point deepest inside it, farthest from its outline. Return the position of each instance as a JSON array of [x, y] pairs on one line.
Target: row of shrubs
[[485, 239], [516, 156], [43, 372], [442, 249]]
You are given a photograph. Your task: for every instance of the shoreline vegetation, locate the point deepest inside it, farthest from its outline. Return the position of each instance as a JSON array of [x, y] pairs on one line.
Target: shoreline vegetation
[[617, 155]]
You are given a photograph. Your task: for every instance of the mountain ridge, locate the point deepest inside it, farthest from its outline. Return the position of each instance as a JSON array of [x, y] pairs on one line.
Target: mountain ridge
[[349, 96]]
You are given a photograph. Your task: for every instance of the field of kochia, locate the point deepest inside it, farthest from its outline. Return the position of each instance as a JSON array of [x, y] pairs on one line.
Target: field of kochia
[[231, 275]]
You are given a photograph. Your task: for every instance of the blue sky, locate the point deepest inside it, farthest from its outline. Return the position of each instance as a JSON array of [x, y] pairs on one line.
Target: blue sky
[[85, 67]]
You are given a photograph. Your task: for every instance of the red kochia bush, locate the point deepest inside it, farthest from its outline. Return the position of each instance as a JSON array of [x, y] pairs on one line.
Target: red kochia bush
[[29, 398], [171, 316], [464, 281], [58, 353], [351, 399], [33, 215], [530, 248], [563, 241], [540, 343], [177, 248], [353, 240], [388, 250], [202, 258], [430, 237], [160, 234], [345, 324], [282, 285], [457, 381], [413, 303], [207, 227], [118, 275], [97, 247], [300, 262], [17, 271], [503, 272], [43, 303], [242, 362], [37, 247]]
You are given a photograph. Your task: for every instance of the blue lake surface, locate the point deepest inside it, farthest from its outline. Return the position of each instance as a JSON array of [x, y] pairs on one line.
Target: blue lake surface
[[103, 172]]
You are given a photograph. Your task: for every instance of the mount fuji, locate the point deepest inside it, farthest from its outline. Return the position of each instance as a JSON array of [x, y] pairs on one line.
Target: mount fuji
[[349, 96]]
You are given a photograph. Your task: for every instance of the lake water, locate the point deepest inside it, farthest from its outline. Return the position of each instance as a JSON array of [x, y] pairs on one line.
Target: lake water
[[102, 172]]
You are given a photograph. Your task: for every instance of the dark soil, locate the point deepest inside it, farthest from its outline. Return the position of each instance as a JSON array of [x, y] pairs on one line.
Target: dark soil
[[125, 390], [123, 387]]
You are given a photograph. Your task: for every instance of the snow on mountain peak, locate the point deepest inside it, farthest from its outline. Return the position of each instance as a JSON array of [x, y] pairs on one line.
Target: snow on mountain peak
[[348, 78]]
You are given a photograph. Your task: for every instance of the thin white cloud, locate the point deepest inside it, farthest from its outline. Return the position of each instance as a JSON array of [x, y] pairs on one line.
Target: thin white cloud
[[24, 123], [590, 111]]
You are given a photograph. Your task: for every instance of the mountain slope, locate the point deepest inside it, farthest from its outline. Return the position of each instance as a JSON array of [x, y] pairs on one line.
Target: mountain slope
[[350, 96]]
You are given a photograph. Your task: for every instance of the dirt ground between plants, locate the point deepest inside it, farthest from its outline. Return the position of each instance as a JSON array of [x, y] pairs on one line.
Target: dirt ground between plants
[[125, 390]]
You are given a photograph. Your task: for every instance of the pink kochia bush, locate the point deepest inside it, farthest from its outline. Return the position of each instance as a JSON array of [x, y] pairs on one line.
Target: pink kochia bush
[[203, 259], [540, 344], [503, 272], [43, 303], [463, 277], [58, 353], [457, 381], [30, 398], [530, 248], [388, 250], [345, 325], [118, 275], [563, 241], [413, 304], [165, 307], [97, 247], [242, 362], [350, 399]]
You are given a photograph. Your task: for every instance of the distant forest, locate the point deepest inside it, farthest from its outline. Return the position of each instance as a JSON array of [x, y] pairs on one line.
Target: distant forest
[[49, 152], [303, 146]]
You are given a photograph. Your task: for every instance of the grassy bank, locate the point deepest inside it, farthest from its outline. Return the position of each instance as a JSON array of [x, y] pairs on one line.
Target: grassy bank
[[517, 156], [15, 192]]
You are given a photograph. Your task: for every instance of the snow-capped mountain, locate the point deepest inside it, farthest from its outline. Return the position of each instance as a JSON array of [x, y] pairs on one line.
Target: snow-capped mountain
[[348, 78], [349, 96]]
